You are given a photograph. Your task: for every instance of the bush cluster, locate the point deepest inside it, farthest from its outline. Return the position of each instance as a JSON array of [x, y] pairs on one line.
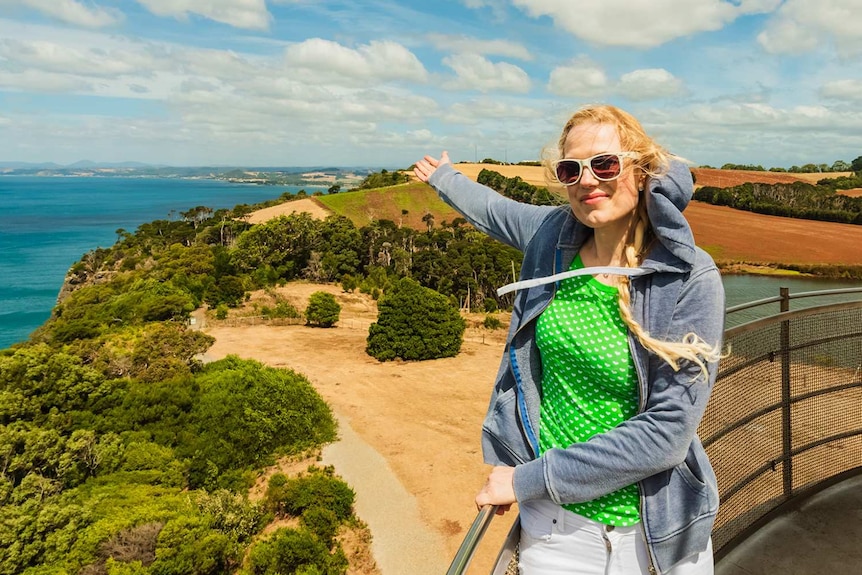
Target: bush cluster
[[414, 323]]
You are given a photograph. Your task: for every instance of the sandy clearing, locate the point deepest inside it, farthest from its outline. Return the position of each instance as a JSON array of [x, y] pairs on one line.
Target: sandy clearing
[[422, 418], [309, 205]]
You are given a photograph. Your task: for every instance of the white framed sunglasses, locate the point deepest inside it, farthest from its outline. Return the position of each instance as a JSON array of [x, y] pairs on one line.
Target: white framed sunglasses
[[605, 167]]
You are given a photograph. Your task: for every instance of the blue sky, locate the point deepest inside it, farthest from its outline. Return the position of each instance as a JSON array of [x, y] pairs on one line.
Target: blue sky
[[380, 83]]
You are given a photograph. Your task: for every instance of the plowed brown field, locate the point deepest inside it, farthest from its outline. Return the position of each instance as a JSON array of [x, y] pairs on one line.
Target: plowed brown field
[[729, 178], [734, 235]]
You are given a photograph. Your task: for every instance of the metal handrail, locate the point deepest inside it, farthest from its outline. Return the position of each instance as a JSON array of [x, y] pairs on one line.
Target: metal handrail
[[471, 540], [790, 296]]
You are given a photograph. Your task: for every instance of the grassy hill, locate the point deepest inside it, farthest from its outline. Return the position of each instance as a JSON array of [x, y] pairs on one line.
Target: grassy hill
[[404, 204]]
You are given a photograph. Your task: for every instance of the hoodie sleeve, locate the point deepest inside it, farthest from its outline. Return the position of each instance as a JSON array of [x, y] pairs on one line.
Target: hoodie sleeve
[[502, 218]]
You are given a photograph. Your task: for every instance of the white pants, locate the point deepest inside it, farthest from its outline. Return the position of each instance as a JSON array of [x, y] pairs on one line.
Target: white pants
[[557, 541]]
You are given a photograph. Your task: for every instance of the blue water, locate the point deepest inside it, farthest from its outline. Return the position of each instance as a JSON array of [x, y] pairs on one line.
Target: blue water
[[47, 224], [740, 289]]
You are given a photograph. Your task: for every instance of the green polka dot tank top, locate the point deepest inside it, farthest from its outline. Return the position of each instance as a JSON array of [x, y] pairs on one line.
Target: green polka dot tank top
[[589, 383]]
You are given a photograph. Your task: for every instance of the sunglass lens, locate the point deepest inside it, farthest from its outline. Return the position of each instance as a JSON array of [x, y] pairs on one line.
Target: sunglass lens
[[568, 172], [606, 167]]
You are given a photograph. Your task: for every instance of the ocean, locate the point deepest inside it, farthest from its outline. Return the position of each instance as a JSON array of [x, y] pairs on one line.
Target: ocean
[[48, 223]]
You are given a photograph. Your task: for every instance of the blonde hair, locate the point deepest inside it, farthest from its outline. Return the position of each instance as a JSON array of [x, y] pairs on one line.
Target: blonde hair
[[653, 160]]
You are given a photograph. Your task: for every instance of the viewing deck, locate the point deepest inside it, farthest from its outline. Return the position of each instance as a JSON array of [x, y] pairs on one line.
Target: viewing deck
[[820, 534], [783, 431]]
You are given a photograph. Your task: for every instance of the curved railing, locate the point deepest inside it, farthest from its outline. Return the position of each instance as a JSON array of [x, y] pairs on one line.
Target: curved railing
[[784, 420], [785, 416]]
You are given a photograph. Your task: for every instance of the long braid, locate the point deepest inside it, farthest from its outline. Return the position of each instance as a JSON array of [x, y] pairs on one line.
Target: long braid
[[692, 347]]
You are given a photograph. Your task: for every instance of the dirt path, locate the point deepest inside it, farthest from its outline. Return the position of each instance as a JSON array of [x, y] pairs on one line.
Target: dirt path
[[422, 419]]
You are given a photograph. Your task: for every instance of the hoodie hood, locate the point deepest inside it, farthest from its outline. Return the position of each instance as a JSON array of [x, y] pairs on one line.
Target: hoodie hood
[[667, 197]]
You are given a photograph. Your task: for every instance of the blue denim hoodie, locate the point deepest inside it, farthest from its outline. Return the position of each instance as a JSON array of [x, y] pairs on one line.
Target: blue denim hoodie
[[658, 448]]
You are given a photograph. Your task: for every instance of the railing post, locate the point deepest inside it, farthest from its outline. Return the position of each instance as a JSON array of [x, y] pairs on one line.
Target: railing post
[[786, 422]]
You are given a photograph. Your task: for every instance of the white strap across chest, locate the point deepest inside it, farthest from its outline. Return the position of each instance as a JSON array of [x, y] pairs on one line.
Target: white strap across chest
[[524, 284]]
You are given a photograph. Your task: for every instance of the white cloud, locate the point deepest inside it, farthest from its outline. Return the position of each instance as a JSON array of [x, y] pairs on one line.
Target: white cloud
[[475, 111], [582, 78], [247, 14], [757, 133], [63, 58], [641, 24], [473, 72], [45, 83], [849, 90], [318, 59], [752, 118], [801, 25], [224, 97], [649, 84], [497, 7], [71, 12], [463, 44]]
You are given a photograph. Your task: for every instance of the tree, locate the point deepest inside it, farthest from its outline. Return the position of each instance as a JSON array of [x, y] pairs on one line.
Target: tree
[[856, 165], [429, 221], [322, 310], [414, 323]]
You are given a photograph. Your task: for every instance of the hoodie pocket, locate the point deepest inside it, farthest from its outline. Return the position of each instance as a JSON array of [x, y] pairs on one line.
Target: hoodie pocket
[[502, 429], [681, 496]]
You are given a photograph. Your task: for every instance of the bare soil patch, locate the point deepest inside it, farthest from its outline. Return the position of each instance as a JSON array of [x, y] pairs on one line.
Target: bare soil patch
[[309, 205], [736, 235]]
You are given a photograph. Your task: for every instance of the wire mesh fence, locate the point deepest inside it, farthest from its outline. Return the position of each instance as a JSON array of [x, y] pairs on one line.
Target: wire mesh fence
[[786, 413]]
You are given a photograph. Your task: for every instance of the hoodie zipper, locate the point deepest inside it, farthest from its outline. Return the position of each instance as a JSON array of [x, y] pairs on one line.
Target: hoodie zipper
[[641, 407], [516, 371]]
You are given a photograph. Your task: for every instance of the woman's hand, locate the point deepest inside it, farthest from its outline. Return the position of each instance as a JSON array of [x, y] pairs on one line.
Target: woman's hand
[[428, 165], [498, 490]]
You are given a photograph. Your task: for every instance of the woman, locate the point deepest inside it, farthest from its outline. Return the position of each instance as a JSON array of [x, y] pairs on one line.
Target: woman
[[592, 423]]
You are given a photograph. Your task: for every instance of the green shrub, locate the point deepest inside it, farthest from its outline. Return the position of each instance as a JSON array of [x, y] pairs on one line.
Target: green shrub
[[322, 310], [322, 522], [295, 551], [349, 283], [318, 488], [414, 323], [492, 322], [247, 413], [232, 513], [221, 311]]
